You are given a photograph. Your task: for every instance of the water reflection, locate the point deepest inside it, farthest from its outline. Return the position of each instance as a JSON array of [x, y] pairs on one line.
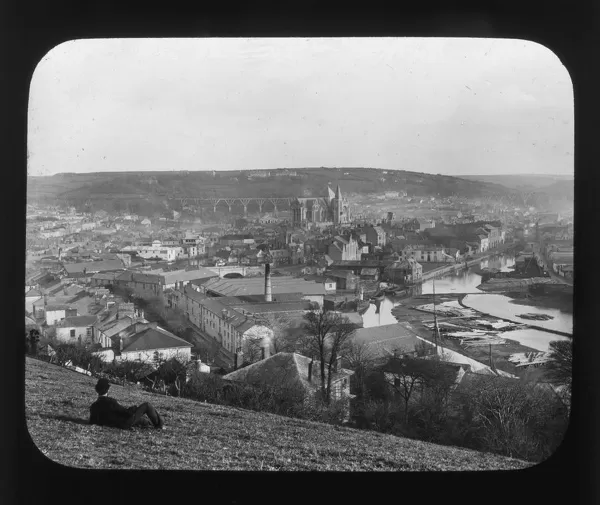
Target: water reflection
[[503, 306], [379, 316], [536, 339], [466, 281]]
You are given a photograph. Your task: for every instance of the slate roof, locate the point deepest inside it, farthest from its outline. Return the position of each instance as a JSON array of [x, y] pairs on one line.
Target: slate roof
[[237, 237], [129, 276], [239, 321], [359, 264], [78, 321], [340, 274], [382, 340], [115, 326], [256, 286], [187, 275], [51, 308], [286, 368], [33, 292], [473, 380], [152, 339], [105, 276], [93, 266], [269, 307]]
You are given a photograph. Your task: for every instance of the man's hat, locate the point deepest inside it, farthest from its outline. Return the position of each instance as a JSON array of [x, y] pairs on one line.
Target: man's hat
[[102, 386]]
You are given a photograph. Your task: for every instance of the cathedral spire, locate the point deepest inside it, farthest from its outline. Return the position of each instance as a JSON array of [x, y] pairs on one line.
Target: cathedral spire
[[338, 193], [330, 193]]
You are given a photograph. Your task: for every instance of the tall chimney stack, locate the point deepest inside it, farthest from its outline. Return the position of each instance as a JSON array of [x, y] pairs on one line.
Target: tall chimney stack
[[268, 293]]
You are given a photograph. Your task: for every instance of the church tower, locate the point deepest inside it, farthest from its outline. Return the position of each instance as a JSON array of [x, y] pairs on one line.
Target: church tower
[[338, 206]]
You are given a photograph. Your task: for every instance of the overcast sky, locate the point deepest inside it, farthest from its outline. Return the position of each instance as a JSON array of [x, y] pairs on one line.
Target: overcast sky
[[451, 106]]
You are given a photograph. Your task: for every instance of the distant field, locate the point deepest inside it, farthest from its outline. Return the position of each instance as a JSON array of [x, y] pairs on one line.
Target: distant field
[[209, 437]]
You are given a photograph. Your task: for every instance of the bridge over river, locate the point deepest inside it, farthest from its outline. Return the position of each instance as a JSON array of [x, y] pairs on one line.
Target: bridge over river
[[274, 202]]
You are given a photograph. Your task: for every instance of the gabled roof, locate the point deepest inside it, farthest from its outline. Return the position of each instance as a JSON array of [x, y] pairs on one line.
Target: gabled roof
[[33, 292], [152, 339]]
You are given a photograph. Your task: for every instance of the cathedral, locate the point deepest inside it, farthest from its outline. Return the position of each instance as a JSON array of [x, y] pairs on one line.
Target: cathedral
[[333, 208]]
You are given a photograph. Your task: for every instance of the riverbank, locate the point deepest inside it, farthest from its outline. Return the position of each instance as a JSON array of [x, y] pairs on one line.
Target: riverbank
[[446, 268], [515, 319], [406, 311], [559, 301]]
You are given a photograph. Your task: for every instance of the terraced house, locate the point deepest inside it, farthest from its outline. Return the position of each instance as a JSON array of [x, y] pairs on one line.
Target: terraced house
[[425, 253], [228, 326]]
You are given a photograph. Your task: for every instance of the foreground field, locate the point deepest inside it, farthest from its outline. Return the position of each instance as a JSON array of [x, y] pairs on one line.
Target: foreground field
[[210, 437]]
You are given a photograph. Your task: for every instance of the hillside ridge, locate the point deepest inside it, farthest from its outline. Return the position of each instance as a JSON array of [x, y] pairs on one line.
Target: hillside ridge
[[160, 186], [203, 436]]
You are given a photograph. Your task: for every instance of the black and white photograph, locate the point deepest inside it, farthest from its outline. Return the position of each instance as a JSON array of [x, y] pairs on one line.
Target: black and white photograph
[[299, 254]]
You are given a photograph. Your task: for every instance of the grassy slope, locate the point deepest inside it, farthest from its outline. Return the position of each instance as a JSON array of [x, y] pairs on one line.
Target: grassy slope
[[210, 437]]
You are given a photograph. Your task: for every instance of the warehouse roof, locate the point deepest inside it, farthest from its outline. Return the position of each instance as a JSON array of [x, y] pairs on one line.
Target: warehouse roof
[[256, 286]]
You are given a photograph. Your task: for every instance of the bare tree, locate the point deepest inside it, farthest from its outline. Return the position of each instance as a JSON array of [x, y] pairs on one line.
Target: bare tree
[[251, 350], [359, 357], [327, 334], [280, 325], [405, 376]]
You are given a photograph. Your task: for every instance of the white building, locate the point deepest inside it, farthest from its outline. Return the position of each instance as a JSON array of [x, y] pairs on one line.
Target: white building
[[158, 250], [76, 330], [132, 338], [56, 313]]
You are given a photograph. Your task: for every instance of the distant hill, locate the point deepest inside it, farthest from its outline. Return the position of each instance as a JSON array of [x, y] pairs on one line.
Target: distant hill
[[155, 188], [522, 181], [548, 188], [200, 436]]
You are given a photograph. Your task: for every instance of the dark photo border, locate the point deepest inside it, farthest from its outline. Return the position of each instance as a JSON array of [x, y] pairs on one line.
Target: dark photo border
[[570, 30]]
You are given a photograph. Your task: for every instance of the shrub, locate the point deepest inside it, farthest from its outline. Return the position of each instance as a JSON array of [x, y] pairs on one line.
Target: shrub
[[126, 371], [515, 419], [78, 356]]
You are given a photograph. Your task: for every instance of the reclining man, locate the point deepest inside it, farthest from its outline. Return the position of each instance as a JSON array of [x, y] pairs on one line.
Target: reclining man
[[107, 411]]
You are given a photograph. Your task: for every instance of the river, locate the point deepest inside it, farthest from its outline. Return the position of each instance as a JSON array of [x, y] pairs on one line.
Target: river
[[466, 281]]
